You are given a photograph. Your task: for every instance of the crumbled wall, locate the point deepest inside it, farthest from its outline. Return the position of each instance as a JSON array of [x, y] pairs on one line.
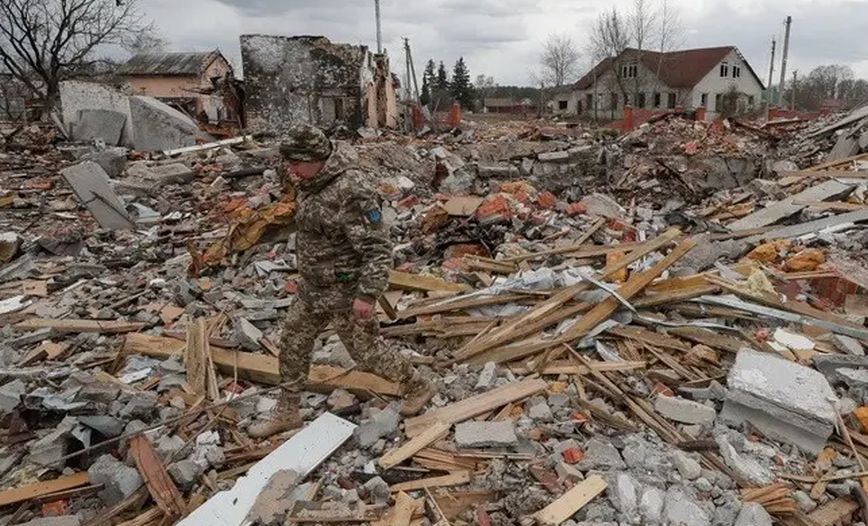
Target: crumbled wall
[[290, 80]]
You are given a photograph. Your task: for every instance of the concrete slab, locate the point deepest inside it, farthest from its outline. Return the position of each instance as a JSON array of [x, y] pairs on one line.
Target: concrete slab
[[103, 125], [485, 434], [92, 187], [776, 211], [158, 126], [761, 388], [684, 411], [76, 95]]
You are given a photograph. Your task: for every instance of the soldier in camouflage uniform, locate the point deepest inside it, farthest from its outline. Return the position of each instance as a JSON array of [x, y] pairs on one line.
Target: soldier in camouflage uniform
[[344, 254]]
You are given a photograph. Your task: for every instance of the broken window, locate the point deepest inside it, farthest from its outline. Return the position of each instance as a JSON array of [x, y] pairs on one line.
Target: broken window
[[589, 101], [626, 99], [736, 72], [703, 100], [750, 101], [640, 101], [656, 99], [629, 71], [613, 101], [562, 104], [718, 102], [671, 101], [724, 69]]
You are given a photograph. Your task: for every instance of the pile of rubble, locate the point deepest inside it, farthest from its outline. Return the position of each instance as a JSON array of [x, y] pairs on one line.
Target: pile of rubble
[[617, 335]]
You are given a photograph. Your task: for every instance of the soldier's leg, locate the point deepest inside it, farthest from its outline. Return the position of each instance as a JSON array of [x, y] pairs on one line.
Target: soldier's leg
[[360, 338], [299, 335], [303, 324]]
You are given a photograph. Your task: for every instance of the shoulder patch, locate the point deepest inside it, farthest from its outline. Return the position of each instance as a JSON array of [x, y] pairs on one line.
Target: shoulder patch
[[374, 216]]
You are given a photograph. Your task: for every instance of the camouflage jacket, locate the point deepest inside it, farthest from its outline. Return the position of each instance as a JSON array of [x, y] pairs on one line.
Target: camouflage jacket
[[343, 248]]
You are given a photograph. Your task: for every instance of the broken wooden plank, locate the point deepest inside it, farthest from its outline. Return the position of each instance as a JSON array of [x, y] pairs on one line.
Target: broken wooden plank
[[712, 339], [475, 405], [572, 501], [789, 206], [47, 350], [403, 512], [569, 367], [356, 381], [78, 325], [654, 339], [153, 472], [302, 453], [432, 434], [418, 282], [452, 479], [261, 368], [195, 361], [38, 489]]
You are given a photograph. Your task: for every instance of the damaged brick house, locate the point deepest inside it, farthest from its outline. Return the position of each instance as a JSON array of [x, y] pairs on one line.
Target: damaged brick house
[[719, 79], [193, 81], [309, 79]]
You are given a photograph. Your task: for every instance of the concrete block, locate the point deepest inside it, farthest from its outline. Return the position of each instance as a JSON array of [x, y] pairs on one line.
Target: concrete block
[[753, 514], [554, 157], [485, 434], [185, 473], [119, 480], [112, 160], [10, 396], [159, 175], [651, 505], [158, 126], [103, 125], [684, 411], [92, 188], [681, 509], [848, 345], [761, 388], [600, 455], [76, 96], [380, 425], [504, 171], [686, 466], [603, 206], [748, 468]]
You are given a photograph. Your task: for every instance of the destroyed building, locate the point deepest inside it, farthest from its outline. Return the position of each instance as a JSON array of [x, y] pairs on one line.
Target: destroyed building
[[309, 79], [187, 80]]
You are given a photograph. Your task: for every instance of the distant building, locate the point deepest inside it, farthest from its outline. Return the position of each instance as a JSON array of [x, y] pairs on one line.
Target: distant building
[[563, 100], [718, 78], [309, 79], [191, 81], [15, 98], [508, 105]]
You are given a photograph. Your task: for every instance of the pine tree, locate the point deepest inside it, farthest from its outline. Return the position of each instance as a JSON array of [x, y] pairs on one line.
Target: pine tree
[[425, 97], [429, 74], [461, 89], [442, 80]]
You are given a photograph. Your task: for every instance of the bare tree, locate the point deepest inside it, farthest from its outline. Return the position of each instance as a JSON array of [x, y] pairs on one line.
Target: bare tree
[[43, 42], [670, 34], [560, 60], [484, 87], [144, 42], [609, 38], [642, 25]]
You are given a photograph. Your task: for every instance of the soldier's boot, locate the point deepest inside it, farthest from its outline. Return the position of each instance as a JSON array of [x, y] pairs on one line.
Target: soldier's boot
[[417, 392], [286, 416]]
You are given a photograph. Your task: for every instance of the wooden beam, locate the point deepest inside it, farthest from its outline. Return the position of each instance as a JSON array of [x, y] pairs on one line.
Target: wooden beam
[[418, 282], [395, 456], [572, 501], [452, 479], [160, 485], [38, 489], [78, 325], [475, 405], [260, 368]]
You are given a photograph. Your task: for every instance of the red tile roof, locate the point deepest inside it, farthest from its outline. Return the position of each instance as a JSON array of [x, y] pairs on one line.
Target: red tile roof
[[678, 69]]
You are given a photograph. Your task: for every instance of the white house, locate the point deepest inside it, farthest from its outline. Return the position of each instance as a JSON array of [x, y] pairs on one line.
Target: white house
[[718, 79]]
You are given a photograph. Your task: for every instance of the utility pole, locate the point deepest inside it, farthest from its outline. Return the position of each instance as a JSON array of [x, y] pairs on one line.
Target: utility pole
[[793, 96], [788, 23], [379, 27], [411, 71], [771, 72]]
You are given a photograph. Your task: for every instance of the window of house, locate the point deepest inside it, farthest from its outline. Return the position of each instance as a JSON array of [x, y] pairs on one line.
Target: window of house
[[613, 101], [703, 100], [736, 72], [629, 71], [626, 99], [750, 101], [589, 100], [718, 102], [724, 69], [562, 104], [641, 100], [656, 99], [671, 102]]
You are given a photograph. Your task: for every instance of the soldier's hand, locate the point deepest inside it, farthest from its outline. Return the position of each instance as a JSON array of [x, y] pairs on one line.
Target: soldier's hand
[[363, 309]]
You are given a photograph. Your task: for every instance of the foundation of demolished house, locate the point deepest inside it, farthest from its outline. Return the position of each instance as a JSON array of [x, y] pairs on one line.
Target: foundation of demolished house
[[663, 327]]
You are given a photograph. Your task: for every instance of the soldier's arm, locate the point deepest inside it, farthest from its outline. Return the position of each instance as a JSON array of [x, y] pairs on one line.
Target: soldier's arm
[[363, 221]]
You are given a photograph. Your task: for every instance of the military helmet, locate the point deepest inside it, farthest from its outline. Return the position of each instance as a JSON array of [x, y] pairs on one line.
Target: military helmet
[[305, 143]]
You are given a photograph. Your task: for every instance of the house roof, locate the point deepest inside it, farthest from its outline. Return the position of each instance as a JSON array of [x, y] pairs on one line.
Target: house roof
[[678, 69], [183, 63]]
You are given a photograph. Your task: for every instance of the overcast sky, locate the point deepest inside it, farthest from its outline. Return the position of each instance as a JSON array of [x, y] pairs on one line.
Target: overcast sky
[[503, 38]]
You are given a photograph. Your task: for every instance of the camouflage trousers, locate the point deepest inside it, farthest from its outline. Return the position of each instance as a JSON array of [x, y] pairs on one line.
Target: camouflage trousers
[[304, 323]]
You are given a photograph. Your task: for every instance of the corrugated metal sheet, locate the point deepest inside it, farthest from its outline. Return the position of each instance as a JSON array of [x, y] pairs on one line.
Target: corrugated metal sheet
[[168, 63]]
